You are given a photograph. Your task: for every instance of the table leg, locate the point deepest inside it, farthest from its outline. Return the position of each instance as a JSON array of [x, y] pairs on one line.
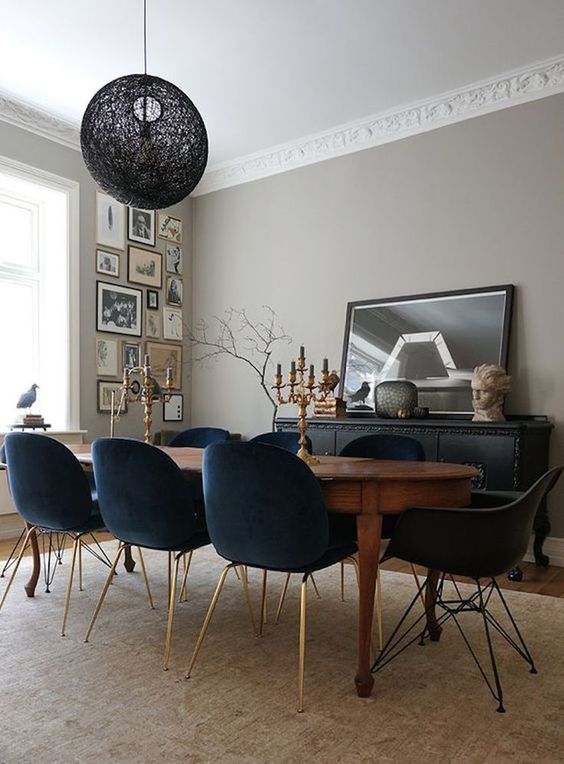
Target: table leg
[[128, 562], [433, 627], [369, 532], [32, 583]]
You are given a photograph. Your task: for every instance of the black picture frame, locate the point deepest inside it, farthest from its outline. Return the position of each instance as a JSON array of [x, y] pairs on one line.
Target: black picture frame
[[505, 332], [103, 324], [152, 299], [148, 239]]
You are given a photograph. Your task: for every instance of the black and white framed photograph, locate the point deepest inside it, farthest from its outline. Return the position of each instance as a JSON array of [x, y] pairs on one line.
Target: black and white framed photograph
[[152, 299], [130, 355], [107, 263], [118, 309], [153, 325], [105, 389], [110, 221], [106, 357], [172, 324], [174, 291], [170, 228], [144, 267], [173, 409], [141, 226], [174, 259]]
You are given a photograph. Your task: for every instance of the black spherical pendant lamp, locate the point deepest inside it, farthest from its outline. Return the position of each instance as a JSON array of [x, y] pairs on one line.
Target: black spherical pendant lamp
[[143, 140]]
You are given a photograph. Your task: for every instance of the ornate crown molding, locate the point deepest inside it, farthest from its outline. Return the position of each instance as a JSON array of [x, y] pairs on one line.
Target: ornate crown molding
[[21, 114], [519, 86]]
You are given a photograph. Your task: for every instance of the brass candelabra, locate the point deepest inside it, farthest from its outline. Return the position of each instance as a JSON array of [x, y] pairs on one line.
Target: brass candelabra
[[302, 391], [148, 392]]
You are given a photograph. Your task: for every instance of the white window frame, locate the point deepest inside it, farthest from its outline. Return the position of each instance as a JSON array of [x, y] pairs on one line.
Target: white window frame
[[71, 189]]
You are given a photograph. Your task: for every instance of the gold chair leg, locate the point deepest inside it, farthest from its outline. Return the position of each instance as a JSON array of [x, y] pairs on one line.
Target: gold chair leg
[[109, 579], [314, 586], [416, 577], [262, 618], [17, 565], [183, 590], [245, 582], [209, 615], [142, 561], [171, 607], [80, 564], [75, 548], [282, 598], [301, 661]]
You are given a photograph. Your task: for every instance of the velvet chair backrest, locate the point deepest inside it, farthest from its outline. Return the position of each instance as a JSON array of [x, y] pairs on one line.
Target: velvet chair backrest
[[199, 437], [288, 440], [144, 499], [385, 446], [263, 506], [48, 485]]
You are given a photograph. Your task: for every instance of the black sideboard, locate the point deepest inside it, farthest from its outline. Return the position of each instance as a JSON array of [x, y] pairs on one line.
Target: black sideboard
[[509, 455]]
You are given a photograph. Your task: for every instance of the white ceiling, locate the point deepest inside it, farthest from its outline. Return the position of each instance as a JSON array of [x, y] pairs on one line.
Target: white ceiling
[[265, 72]]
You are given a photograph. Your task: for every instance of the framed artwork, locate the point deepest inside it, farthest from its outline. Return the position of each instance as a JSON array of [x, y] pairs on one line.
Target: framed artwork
[[174, 259], [141, 226], [174, 291], [170, 228], [152, 299], [107, 263], [144, 267], [105, 389], [172, 324], [106, 357], [131, 355], [110, 221], [162, 356], [118, 309], [153, 325], [173, 410]]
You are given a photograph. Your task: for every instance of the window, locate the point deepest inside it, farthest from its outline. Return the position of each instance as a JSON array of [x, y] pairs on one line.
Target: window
[[38, 294]]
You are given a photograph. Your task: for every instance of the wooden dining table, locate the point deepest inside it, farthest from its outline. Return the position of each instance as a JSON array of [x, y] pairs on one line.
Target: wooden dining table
[[368, 489]]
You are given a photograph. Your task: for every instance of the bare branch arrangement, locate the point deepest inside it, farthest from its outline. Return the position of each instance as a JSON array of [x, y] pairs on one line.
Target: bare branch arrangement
[[239, 336]]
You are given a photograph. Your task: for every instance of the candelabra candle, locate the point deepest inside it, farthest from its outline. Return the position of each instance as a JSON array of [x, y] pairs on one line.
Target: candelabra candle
[[301, 391]]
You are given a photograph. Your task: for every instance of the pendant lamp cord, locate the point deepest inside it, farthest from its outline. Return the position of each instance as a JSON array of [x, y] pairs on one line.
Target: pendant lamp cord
[[145, 34]]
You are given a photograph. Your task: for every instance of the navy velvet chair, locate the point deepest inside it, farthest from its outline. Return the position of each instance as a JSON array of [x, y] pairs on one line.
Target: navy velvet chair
[[479, 542], [199, 437], [52, 494], [288, 440], [145, 502], [265, 510]]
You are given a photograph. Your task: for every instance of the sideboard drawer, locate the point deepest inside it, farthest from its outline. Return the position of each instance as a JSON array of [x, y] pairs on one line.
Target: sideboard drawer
[[492, 456]]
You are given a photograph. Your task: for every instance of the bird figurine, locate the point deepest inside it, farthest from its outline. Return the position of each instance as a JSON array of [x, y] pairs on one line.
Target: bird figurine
[[333, 380], [361, 394], [28, 398]]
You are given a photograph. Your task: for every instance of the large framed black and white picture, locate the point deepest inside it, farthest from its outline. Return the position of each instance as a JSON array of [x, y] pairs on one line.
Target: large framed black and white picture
[[118, 309], [433, 340]]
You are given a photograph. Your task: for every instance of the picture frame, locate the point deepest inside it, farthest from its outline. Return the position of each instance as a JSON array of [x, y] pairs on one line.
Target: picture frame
[[144, 266], [163, 355], [172, 324], [130, 355], [107, 263], [174, 262], [173, 409], [119, 309], [174, 291], [104, 392], [106, 357], [170, 228], [152, 299], [110, 221], [153, 325], [141, 226]]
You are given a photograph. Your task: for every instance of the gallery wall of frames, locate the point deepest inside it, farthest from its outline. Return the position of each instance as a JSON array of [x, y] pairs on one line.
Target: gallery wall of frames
[[139, 297]]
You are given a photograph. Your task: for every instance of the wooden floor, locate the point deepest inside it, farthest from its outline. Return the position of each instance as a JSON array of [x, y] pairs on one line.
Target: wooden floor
[[536, 580]]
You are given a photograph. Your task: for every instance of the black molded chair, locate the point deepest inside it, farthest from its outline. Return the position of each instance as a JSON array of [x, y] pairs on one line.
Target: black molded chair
[[265, 510], [479, 542], [52, 494], [288, 440], [145, 502], [199, 437]]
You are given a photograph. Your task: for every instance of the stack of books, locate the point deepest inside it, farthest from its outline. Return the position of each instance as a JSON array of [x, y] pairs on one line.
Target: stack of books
[[34, 420]]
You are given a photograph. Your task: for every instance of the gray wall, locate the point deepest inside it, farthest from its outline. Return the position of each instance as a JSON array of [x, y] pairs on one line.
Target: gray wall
[[26, 147], [477, 203]]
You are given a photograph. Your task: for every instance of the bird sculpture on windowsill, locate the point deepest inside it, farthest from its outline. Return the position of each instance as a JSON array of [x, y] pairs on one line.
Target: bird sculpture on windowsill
[[28, 398]]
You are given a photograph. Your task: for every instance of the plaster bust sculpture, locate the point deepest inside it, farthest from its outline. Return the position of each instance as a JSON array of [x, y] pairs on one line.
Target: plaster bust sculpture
[[490, 385]]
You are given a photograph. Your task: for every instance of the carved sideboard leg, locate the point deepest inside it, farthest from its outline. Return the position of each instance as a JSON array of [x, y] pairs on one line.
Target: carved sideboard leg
[[541, 529], [129, 562], [515, 574]]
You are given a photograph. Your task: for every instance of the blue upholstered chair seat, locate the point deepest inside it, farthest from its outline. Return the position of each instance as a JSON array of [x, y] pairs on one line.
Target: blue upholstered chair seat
[[332, 555], [94, 523], [196, 540]]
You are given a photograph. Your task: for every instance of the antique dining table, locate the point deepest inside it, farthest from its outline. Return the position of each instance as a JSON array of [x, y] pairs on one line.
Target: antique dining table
[[368, 489]]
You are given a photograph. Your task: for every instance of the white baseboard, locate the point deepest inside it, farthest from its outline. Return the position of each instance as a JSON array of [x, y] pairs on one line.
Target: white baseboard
[[553, 547]]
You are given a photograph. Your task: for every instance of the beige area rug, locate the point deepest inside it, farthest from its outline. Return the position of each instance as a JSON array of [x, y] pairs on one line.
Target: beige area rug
[[109, 700]]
